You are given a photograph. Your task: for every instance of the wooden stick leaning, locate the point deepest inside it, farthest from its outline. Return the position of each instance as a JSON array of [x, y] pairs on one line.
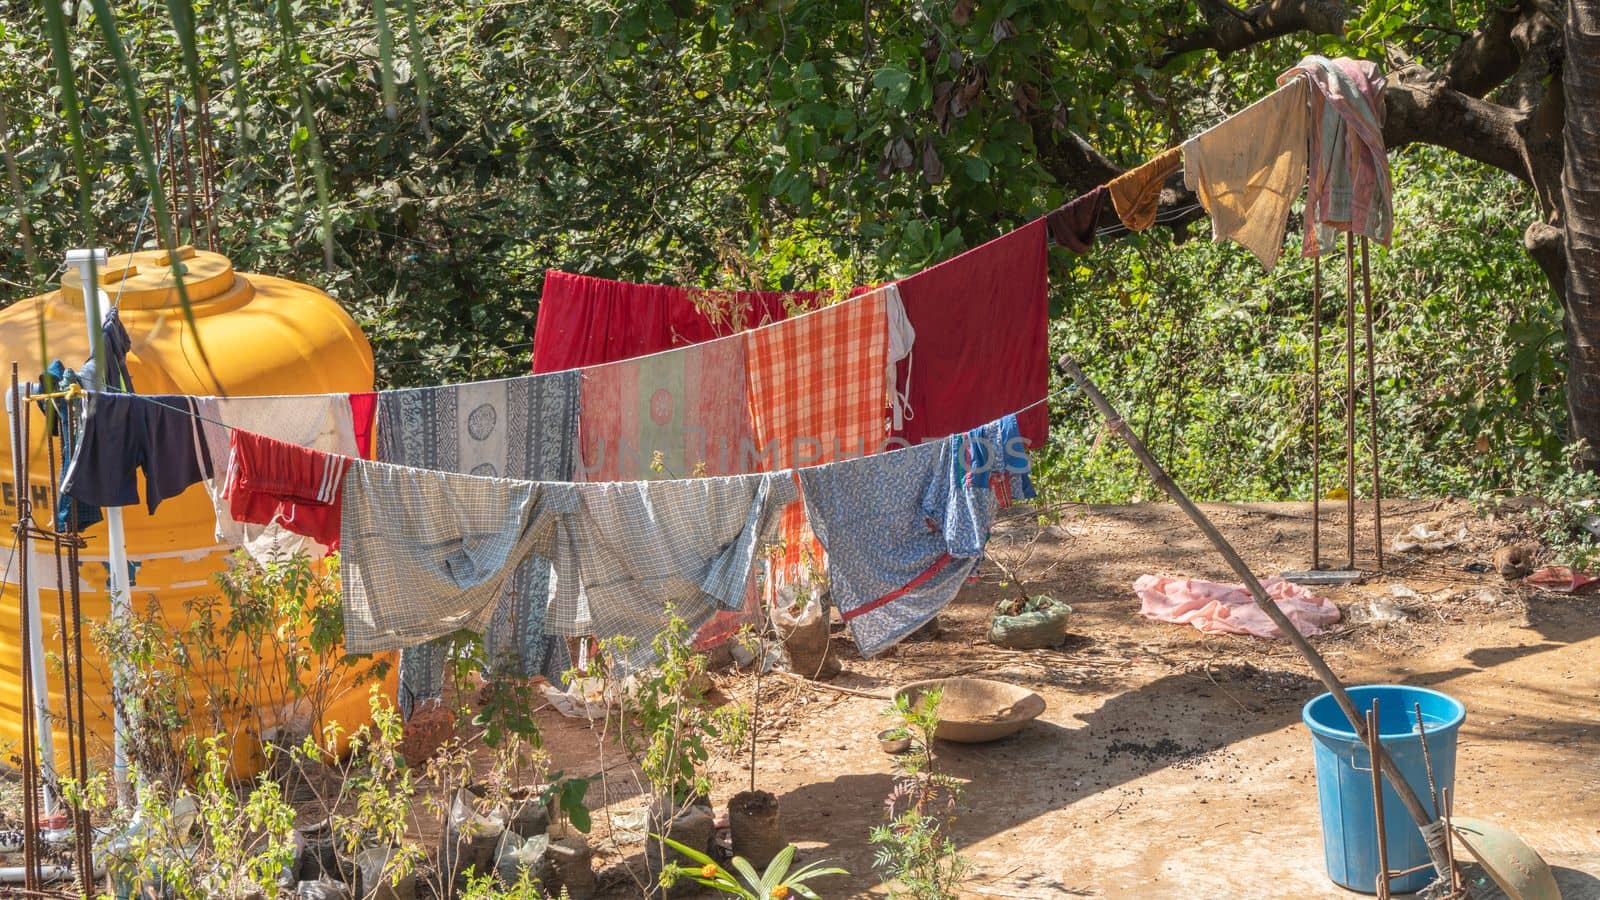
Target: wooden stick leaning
[[1408, 798]]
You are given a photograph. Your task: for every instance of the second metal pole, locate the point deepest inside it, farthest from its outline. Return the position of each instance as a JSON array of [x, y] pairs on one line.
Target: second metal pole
[[1350, 399]]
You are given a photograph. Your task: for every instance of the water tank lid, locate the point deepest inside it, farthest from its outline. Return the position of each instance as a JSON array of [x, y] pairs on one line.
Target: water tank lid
[[144, 280]]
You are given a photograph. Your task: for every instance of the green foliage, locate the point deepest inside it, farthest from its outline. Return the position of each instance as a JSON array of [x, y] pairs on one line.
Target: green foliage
[[1210, 360], [1565, 501], [213, 842], [564, 795], [667, 720], [914, 848], [774, 883], [383, 789], [270, 643], [440, 156], [488, 887]]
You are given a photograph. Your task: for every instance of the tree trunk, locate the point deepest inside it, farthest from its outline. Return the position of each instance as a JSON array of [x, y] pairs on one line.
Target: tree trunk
[[1580, 185]]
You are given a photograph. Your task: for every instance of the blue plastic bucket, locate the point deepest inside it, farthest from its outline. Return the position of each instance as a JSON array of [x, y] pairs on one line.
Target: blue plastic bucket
[[1344, 780]]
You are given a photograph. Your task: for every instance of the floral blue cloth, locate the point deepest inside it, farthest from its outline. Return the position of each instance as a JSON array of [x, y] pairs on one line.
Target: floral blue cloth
[[903, 530]]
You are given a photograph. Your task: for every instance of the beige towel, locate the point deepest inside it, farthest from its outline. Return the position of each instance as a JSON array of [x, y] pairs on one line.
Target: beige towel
[[1248, 170]]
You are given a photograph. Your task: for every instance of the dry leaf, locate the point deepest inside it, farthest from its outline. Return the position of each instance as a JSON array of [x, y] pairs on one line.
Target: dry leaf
[[932, 167]]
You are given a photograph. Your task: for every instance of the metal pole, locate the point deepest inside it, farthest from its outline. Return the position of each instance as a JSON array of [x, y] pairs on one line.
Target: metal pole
[[34, 671], [1316, 413], [86, 262], [30, 757], [1372, 408], [81, 823], [1374, 741], [1319, 667], [1350, 399]]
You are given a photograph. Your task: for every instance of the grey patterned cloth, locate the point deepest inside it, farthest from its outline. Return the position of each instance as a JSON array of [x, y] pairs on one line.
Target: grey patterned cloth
[[627, 550], [426, 553], [521, 428]]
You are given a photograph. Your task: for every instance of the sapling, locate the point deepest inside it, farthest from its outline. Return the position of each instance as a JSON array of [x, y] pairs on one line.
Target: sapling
[[914, 850]]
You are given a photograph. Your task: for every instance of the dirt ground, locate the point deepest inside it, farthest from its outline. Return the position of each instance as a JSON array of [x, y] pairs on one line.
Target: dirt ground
[[1169, 763]]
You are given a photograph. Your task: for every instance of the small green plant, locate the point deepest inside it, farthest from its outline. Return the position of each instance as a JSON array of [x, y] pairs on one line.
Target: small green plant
[[375, 799], [488, 887], [214, 842], [262, 658], [776, 883], [914, 850], [563, 797], [667, 727], [1569, 499], [667, 720]]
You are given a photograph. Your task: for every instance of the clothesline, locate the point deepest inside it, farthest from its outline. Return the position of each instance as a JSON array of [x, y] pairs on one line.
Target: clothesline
[[155, 400], [1324, 119]]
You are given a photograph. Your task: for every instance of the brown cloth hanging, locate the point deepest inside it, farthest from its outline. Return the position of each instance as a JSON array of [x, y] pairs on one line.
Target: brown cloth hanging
[[1073, 225], [1136, 192]]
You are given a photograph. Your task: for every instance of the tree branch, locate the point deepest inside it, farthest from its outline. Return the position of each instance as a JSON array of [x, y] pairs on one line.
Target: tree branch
[[1230, 29], [1423, 108], [1486, 58]]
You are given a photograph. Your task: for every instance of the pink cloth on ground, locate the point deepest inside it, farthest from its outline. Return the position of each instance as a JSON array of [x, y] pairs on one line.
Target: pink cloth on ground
[[1227, 608]]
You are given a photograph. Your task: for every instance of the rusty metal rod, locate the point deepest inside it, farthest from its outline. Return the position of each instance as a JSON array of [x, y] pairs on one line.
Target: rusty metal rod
[[1374, 746], [1350, 399], [77, 719], [69, 720], [84, 826], [188, 175], [202, 131], [172, 172], [1427, 758], [1372, 408], [1316, 413], [1314, 660]]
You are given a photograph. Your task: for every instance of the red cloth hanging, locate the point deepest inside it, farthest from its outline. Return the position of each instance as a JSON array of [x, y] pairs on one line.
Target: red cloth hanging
[[982, 323], [275, 482], [586, 321], [363, 415]]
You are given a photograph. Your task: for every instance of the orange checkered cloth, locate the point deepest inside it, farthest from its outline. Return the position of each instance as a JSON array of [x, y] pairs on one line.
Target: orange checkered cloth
[[817, 389]]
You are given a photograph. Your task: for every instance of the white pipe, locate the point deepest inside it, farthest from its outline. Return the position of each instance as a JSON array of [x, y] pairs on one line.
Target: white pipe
[[41, 685], [36, 670], [19, 874], [86, 261]]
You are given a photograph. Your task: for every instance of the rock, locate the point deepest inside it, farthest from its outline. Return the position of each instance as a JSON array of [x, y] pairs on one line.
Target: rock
[[1514, 561], [573, 862], [693, 826]]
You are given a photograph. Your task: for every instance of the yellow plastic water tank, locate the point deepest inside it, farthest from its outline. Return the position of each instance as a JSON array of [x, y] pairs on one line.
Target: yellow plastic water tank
[[262, 335]]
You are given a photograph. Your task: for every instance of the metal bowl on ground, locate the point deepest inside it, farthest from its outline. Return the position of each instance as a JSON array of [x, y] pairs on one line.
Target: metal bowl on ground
[[977, 710], [894, 740]]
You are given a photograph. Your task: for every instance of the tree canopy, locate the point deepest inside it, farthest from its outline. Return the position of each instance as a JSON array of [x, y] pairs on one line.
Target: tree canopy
[[426, 161]]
